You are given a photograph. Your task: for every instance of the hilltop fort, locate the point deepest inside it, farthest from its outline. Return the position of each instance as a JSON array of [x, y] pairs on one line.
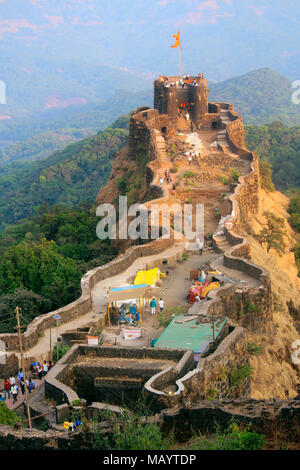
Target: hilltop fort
[[202, 146]]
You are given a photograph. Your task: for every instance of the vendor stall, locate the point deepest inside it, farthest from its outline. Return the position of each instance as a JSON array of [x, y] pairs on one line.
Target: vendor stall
[[128, 303]]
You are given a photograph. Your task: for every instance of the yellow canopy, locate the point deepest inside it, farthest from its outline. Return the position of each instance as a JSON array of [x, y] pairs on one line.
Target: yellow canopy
[[148, 277]]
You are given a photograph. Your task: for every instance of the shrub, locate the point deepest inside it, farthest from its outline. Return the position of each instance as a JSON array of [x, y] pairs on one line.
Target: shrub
[[60, 350], [235, 174], [254, 348], [174, 169], [122, 184], [265, 170], [224, 180], [217, 214], [188, 174], [238, 374], [251, 307], [8, 416], [233, 438], [76, 402]]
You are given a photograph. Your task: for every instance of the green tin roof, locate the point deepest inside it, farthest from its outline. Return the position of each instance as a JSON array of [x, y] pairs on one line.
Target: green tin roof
[[188, 335]]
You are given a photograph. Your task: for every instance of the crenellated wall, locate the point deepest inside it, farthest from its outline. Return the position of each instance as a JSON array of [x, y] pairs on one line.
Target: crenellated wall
[[167, 99]]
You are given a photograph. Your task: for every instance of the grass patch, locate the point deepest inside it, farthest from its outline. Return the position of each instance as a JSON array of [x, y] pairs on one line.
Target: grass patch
[[254, 349], [165, 317], [233, 438], [224, 180], [238, 374], [188, 174]]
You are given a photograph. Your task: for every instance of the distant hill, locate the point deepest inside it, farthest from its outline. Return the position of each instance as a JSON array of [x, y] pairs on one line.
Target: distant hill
[[71, 176], [280, 145], [260, 97], [38, 136]]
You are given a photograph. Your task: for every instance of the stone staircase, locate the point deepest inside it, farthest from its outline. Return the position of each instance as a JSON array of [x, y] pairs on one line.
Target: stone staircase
[[222, 138], [160, 144], [222, 243]]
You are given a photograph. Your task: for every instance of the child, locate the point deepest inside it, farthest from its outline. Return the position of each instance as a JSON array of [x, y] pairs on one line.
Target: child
[[161, 304]]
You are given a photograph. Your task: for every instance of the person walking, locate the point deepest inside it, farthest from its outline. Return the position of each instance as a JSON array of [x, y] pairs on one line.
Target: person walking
[[153, 306], [40, 371], [20, 376], [30, 385], [45, 368], [22, 385], [14, 392], [12, 381], [6, 388], [161, 304]]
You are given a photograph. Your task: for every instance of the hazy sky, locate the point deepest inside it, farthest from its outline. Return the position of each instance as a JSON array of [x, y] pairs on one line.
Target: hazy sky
[[221, 37]]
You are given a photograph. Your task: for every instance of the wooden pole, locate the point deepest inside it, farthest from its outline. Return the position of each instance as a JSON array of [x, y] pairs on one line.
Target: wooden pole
[[144, 300], [213, 325], [180, 59], [141, 309], [22, 363], [50, 354], [108, 316]]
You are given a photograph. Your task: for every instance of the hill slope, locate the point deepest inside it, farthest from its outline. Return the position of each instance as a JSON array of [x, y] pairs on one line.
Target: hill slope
[[280, 145], [71, 176], [260, 97], [39, 135]]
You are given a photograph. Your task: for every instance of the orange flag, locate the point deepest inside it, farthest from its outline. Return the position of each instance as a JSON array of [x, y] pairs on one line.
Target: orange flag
[[177, 40]]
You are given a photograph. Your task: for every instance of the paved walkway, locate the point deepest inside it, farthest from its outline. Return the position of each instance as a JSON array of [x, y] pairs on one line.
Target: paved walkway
[[235, 275], [101, 289], [41, 350], [21, 397]]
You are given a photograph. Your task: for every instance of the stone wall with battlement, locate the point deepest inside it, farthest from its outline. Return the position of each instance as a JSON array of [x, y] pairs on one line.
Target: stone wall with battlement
[[167, 99], [61, 376]]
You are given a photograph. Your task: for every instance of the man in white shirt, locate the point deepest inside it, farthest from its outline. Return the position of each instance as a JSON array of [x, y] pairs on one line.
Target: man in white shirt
[[12, 380], [161, 304]]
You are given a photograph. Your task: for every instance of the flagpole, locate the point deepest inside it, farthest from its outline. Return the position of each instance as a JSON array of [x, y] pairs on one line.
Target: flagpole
[[180, 59]]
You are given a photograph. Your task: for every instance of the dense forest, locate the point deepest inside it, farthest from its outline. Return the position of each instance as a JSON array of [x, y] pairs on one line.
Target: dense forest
[[260, 97], [280, 146], [70, 176], [48, 224], [43, 258]]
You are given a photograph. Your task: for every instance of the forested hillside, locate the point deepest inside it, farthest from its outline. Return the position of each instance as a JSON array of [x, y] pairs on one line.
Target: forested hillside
[[43, 258], [280, 145], [38, 136], [260, 97], [71, 176]]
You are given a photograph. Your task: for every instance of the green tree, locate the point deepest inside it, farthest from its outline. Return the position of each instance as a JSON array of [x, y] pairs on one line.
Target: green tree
[[8, 416], [41, 268], [273, 233], [31, 305], [266, 172]]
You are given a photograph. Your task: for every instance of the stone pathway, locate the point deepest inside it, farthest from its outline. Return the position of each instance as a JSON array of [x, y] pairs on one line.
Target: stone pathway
[[21, 397]]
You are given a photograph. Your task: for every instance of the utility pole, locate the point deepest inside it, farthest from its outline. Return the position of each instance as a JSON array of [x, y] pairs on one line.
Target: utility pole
[[22, 364], [50, 353]]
